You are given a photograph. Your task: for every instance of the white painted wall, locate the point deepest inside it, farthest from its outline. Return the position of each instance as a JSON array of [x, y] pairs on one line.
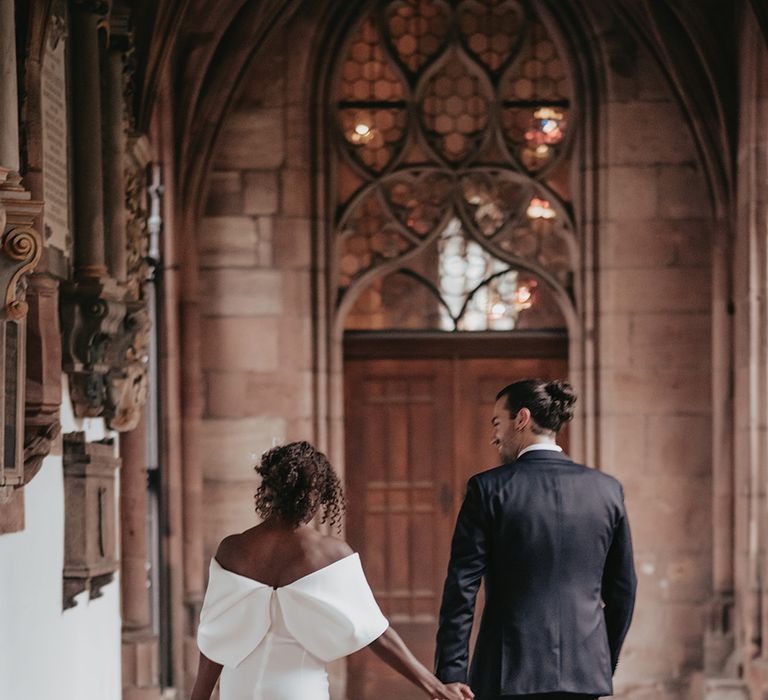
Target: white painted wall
[[47, 654]]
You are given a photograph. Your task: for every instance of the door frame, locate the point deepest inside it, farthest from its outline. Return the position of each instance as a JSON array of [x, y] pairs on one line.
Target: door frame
[[470, 344]]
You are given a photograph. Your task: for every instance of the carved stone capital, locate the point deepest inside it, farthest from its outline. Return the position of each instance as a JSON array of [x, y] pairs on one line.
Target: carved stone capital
[[92, 311], [127, 382], [105, 351], [20, 250]]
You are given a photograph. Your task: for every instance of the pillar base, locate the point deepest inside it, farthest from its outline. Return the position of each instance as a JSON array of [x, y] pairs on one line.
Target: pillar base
[[10, 180], [141, 672]]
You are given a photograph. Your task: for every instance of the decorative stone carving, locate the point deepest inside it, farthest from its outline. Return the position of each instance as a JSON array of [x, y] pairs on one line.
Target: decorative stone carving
[[137, 233], [127, 384], [47, 175], [20, 250], [106, 326], [90, 518], [92, 314], [128, 380]]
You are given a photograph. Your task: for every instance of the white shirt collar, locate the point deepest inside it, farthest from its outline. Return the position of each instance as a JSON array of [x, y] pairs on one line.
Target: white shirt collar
[[540, 446]]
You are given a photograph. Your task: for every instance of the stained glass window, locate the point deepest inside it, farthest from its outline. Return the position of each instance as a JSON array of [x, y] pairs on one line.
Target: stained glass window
[[454, 122]]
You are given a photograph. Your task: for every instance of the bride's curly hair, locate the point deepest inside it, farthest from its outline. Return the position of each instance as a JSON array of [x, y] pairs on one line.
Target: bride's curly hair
[[297, 481]]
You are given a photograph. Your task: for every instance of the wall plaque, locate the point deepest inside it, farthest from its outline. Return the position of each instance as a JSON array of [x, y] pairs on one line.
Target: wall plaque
[[90, 516]]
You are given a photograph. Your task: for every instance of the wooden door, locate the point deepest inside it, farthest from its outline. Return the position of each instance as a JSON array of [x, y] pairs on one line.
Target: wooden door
[[416, 430], [399, 475]]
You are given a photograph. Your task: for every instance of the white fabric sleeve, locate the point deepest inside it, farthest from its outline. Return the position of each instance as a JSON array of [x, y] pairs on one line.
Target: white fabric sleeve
[[234, 618], [333, 613]]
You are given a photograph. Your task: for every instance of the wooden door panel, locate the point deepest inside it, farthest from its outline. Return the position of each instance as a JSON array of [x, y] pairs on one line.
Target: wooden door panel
[[397, 475]]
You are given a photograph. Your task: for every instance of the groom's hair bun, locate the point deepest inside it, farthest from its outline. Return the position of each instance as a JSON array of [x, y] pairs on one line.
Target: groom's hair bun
[[550, 402], [297, 482]]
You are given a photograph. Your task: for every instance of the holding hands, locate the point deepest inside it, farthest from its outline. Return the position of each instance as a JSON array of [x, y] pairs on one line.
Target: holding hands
[[451, 691]]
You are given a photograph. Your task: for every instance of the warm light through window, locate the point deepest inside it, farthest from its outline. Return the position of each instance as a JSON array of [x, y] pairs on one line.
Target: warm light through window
[[362, 133], [524, 297], [540, 209], [547, 128]]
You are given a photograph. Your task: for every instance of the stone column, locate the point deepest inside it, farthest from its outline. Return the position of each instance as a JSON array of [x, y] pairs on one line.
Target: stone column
[[86, 130], [140, 653], [9, 101], [114, 167], [95, 331], [192, 412], [133, 530]]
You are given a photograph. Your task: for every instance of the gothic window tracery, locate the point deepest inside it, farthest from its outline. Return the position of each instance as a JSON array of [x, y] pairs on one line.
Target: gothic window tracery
[[454, 122]]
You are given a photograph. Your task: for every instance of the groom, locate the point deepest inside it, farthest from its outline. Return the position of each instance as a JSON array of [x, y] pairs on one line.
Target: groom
[[551, 540]]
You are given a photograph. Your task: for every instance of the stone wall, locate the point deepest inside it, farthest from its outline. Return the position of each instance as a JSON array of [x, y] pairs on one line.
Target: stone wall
[[254, 246], [655, 371]]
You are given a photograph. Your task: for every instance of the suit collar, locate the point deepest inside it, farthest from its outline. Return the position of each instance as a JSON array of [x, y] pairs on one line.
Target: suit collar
[[543, 456]]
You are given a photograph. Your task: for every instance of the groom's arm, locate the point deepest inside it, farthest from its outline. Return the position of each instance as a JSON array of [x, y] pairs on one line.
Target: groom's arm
[[469, 551], [619, 586]]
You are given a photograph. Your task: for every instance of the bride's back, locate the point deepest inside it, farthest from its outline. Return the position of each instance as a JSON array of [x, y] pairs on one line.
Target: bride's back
[[276, 555]]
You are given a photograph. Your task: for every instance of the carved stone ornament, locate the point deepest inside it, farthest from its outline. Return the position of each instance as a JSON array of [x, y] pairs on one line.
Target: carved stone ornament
[[137, 230], [105, 351], [93, 312], [106, 337], [90, 516], [128, 384], [105, 324], [20, 250], [127, 381]]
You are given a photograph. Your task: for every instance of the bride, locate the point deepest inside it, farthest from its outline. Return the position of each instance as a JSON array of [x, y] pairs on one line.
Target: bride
[[283, 600]]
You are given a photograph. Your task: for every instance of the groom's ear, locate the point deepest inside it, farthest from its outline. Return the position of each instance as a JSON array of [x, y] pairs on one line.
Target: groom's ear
[[522, 418]]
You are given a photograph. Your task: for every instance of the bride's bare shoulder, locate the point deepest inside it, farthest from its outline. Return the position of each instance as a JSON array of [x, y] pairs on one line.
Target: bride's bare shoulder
[[337, 548], [229, 548], [324, 550]]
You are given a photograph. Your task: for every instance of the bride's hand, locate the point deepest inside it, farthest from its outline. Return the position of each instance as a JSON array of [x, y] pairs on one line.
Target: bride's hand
[[452, 691]]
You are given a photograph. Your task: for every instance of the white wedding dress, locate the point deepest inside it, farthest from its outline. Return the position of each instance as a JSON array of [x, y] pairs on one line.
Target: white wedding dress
[[274, 643]]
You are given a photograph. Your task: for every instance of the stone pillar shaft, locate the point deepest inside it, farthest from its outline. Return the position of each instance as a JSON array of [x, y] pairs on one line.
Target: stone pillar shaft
[[133, 529], [86, 128], [9, 102], [114, 168]]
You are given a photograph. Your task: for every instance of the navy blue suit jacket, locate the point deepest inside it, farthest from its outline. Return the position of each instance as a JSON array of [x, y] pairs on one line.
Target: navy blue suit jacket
[[551, 541]]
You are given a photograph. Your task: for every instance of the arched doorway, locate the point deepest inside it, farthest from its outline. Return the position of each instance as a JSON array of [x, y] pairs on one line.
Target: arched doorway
[[452, 266]]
